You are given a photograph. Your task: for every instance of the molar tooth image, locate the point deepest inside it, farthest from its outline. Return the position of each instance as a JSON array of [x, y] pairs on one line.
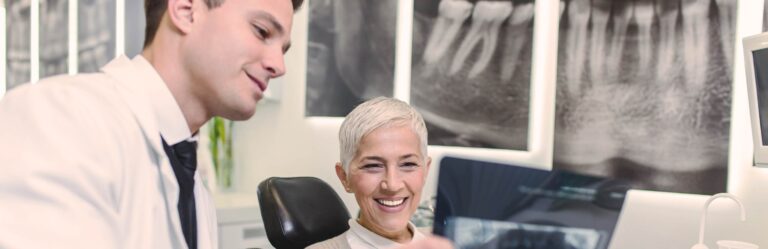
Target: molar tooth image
[[486, 22], [578, 20], [668, 15], [452, 14], [520, 19], [644, 19]]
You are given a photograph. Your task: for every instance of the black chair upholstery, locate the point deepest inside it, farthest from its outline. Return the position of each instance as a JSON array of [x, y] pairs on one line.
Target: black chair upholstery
[[300, 211]]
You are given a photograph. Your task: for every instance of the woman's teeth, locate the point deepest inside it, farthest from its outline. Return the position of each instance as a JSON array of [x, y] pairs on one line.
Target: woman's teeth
[[390, 203]]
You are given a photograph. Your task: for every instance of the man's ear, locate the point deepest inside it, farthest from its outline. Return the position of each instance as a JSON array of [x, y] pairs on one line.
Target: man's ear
[[342, 177], [181, 14]]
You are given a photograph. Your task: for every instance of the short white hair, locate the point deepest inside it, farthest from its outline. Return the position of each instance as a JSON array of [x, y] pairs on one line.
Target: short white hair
[[373, 114]]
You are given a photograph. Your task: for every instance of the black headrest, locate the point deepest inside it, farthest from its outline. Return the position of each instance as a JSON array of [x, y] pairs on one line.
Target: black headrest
[[300, 211]]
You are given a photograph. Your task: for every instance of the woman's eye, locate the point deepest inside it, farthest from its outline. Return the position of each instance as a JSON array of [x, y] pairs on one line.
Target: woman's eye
[[410, 165], [370, 166]]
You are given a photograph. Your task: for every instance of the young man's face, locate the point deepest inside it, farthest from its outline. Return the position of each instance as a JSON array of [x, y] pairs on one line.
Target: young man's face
[[233, 50]]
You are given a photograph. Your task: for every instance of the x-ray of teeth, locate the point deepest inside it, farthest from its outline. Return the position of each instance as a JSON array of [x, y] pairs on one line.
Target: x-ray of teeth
[[351, 54], [96, 34], [644, 91], [18, 28], [470, 71], [53, 37], [471, 233]]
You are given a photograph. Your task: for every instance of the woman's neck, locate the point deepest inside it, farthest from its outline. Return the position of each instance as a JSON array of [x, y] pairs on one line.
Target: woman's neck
[[402, 236]]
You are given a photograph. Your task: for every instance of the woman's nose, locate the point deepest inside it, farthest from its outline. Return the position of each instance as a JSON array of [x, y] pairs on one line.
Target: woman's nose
[[392, 182]]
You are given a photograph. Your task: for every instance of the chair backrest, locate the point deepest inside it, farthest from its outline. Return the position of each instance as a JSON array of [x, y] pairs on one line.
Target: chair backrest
[[300, 211]]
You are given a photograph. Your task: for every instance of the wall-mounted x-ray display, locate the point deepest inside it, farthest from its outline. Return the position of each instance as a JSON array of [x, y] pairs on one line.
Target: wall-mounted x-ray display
[[351, 54], [96, 34], [18, 35], [471, 71], [644, 91]]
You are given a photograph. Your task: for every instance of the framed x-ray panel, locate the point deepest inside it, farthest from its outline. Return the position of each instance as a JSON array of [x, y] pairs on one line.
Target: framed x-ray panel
[[644, 92], [351, 54], [471, 71]]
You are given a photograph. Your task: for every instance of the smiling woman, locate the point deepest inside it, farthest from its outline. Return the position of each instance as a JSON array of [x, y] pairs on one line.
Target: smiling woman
[[384, 163]]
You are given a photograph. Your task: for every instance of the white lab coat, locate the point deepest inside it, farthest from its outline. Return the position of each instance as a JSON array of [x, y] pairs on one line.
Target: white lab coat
[[82, 165]]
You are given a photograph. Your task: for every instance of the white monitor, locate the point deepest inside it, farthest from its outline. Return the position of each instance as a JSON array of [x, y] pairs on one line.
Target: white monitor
[[756, 65]]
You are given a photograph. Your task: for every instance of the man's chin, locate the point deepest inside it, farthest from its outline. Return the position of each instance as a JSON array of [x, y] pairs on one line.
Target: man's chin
[[240, 114]]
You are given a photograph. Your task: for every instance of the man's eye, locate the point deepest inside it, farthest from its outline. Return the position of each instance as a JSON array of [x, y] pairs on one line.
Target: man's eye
[[262, 32]]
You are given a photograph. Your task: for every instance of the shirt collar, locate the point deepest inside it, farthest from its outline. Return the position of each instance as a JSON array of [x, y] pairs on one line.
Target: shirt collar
[[170, 120], [378, 241]]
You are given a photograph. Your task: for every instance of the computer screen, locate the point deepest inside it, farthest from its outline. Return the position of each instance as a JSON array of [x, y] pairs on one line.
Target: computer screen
[[490, 205], [756, 67], [760, 58]]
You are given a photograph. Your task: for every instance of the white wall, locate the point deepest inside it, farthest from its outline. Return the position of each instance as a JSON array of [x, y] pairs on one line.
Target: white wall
[[279, 141]]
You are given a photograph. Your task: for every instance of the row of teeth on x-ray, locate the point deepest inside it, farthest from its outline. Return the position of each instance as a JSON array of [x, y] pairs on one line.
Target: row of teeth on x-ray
[[487, 18]]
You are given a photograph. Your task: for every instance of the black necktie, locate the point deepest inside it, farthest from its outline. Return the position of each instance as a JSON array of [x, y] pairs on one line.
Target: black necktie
[[183, 158]]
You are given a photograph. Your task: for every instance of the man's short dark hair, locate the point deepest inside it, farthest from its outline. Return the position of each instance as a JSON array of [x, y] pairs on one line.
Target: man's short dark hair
[[154, 10]]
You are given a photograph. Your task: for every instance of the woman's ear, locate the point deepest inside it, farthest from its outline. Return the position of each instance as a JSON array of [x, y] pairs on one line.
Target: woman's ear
[[429, 164], [181, 14], [342, 177]]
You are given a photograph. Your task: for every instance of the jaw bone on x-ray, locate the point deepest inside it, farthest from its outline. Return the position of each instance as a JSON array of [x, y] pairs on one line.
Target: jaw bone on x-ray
[[643, 91], [351, 54], [470, 74]]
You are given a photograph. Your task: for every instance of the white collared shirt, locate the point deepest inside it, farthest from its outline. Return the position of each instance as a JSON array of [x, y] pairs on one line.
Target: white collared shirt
[[174, 129], [360, 237]]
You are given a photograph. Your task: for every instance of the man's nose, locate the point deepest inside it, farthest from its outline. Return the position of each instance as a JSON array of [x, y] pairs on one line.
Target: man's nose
[[274, 62]]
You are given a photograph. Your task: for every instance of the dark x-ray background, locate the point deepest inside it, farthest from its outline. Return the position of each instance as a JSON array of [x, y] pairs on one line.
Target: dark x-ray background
[[644, 91], [488, 108], [351, 54], [96, 37]]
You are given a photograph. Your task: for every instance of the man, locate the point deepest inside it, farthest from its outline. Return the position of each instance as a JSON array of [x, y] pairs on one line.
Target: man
[[107, 160]]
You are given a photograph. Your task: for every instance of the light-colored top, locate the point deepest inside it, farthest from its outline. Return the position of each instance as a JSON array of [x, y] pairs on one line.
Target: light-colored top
[[359, 237], [83, 165]]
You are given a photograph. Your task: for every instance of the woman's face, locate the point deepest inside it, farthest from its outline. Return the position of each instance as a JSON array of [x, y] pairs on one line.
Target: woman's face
[[386, 176]]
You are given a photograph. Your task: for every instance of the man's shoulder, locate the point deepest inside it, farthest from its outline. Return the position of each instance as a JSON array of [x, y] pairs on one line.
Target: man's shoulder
[[83, 99]]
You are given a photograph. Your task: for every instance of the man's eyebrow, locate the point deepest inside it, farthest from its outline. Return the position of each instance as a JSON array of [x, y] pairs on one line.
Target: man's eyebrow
[[278, 27], [271, 19]]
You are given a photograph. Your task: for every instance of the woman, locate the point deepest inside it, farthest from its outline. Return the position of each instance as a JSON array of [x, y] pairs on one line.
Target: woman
[[384, 163]]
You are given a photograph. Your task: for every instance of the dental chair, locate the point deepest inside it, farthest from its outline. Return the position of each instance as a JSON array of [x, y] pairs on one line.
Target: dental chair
[[300, 211]]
